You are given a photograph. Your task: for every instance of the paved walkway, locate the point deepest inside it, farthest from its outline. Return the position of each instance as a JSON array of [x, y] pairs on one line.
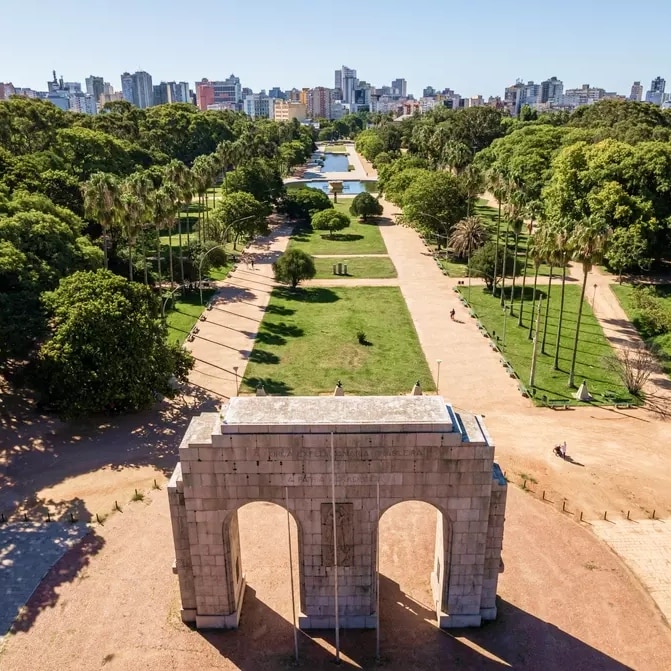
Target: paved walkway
[[645, 546], [226, 338], [27, 551]]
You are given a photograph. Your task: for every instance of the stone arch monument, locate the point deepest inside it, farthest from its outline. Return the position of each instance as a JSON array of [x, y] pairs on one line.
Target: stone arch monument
[[412, 447]]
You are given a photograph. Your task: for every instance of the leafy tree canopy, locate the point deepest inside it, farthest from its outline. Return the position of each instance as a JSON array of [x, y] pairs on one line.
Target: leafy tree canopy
[[293, 267], [330, 220], [365, 205], [108, 350]]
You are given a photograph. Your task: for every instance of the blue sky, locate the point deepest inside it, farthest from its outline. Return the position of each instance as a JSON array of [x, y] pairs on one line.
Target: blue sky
[[477, 46]]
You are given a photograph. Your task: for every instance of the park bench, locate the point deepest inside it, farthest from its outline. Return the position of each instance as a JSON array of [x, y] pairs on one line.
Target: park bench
[[555, 403]]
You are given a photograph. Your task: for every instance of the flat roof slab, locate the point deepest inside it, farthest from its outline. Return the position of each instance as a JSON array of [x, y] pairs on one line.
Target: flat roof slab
[[424, 412]]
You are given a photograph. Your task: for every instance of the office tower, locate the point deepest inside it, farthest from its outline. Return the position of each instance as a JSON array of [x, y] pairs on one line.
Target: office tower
[[95, 86], [225, 94], [656, 93], [399, 87], [127, 87], [138, 88], [348, 83], [551, 90], [338, 80], [258, 105], [636, 92], [428, 92]]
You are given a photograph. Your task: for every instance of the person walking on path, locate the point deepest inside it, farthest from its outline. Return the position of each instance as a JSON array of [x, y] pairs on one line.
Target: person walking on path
[[452, 313], [252, 262]]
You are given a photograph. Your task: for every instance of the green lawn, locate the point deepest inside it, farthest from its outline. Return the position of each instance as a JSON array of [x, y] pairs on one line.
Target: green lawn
[[335, 149], [308, 341], [359, 238], [489, 215], [184, 314], [358, 266], [663, 342], [592, 345]]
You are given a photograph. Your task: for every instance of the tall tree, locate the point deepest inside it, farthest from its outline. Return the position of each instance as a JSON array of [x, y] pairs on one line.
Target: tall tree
[[101, 203], [589, 243], [177, 173]]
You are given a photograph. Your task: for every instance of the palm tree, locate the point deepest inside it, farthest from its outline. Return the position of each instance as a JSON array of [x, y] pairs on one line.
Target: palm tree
[[101, 202], [164, 215], [130, 213], [474, 182], [518, 223], [141, 186], [172, 192], [562, 243], [180, 176], [496, 185], [535, 249], [456, 156], [530, 228], [468, 235], [589, 241]]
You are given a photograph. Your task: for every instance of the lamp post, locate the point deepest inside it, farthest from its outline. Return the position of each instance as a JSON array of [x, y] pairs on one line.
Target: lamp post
[[506, 309], [204, 256], [235, 370], [167, 298], [594, 298], [438, 361]]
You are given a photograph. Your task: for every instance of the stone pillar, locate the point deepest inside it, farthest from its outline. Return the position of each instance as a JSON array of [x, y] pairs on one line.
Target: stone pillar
[[493, 562]]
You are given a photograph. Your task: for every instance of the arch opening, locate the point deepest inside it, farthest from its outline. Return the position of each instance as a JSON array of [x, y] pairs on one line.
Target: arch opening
[[258, 562], [414, 564]]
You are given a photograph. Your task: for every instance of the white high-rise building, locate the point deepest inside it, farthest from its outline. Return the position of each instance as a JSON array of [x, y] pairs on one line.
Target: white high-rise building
[[348, 83]]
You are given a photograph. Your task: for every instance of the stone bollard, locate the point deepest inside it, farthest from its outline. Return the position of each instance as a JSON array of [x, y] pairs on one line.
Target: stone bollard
[[340, 269], [344, 269], [334, 269]]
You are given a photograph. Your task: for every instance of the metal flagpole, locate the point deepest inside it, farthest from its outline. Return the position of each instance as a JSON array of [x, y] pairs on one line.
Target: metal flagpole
[[335, 554], [291, 575], [377, 579]]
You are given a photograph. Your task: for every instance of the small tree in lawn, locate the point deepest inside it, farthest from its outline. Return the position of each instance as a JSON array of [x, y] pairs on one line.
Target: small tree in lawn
[[293, 267], [365, 205], [330, 220]]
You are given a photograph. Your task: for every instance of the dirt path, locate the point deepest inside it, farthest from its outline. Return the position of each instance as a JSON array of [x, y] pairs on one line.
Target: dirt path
[[577, 604]]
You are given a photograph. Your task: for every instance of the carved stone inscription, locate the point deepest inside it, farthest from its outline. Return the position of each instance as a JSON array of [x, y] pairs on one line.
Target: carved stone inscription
[[349, 454], [344, 533]]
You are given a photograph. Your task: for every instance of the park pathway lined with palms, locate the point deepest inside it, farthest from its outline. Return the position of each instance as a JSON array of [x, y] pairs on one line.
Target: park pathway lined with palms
[[225, 338]]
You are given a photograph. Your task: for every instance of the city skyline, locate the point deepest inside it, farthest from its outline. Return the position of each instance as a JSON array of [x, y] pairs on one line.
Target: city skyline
[[439, 46]]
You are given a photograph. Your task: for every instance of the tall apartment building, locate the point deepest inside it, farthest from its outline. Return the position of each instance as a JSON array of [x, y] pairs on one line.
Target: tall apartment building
[[636, 92], [656, 93], [225, 94], [551, 90], [7, 90], [258, 106], [286, 110], [513, 96], [138, 88], [95, 86], [84, 103], [171, 92], [399, 87], [319, 103], [348, 83], [585, 95]]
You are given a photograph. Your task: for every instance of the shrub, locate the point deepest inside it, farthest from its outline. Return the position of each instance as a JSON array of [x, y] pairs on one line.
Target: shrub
[[364, 205], [330, 220], [293, 267]]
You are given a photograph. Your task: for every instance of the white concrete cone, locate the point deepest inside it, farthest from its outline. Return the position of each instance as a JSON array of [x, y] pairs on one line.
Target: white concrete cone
[[260, 391], [583, 394], [417, 389], [339, 391]]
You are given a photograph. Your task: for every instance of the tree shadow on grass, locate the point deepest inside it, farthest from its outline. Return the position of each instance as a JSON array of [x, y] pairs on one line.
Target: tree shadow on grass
[[279, 310], [282, 329], [270, 385], [263, 356], [307, 295], [267, 338], [343, 237]]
